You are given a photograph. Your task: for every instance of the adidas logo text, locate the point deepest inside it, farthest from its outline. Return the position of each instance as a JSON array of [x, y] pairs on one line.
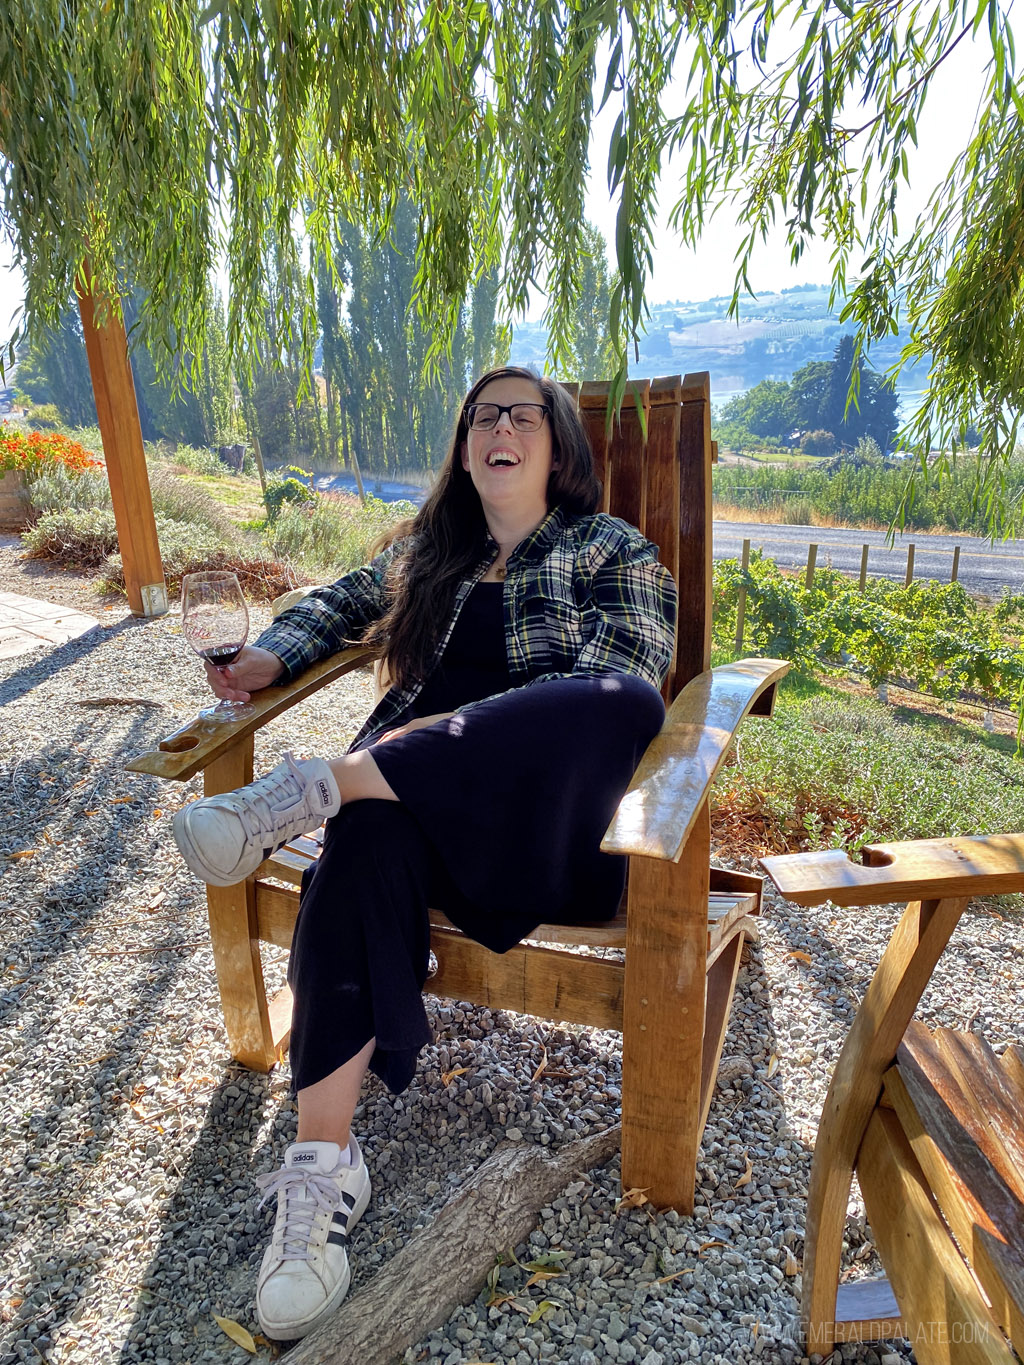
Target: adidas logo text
[[325, 795], [303, 1158]]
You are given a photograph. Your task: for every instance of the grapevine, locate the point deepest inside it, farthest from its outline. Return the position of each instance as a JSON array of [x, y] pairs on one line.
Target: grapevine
[[932, 636]]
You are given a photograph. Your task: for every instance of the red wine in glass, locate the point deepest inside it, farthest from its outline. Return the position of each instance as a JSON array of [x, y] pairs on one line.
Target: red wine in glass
[[215, 622]]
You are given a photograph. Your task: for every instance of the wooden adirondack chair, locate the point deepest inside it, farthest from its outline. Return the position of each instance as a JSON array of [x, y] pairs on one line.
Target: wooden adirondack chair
[[932, 1123], [683, 927]]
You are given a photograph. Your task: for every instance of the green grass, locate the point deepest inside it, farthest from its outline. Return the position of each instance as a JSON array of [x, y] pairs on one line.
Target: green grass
[[240, 496], [830, 771]]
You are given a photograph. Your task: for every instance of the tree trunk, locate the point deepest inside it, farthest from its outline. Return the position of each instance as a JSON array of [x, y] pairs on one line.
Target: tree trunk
[[447, 1263]]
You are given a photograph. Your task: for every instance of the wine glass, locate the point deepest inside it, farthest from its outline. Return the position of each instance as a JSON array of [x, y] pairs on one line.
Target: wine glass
[[215, 622]]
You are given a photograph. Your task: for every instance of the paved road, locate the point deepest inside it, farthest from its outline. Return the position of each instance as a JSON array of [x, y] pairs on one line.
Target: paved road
[[985, 568]]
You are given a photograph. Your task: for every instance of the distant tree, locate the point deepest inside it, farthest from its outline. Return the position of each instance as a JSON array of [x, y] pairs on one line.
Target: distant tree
[[810, 388], [765, 410], [859, 405], [191, 403], [591, 354], [53, 368], [818, 443]]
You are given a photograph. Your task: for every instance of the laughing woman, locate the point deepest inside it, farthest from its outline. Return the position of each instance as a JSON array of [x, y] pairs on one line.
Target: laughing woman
[[526, 637]]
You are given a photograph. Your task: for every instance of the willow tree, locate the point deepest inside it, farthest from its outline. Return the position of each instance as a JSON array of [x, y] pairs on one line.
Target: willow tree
[[144, 133]]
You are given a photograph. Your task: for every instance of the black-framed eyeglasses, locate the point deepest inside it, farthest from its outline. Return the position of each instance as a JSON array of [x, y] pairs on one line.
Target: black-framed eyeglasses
[[523, 416]]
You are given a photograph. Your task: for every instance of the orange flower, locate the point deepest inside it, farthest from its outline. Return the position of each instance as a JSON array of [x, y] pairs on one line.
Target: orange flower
[[30, 450]]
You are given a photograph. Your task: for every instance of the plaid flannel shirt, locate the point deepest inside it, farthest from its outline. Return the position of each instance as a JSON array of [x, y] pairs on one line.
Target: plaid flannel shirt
[[582, 596]]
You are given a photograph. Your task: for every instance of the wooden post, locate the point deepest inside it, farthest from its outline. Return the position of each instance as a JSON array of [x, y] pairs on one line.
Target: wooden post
[[910, 566], [812, 555], [663, 1021], [956, 564], [117, 410], [864, 566], [741, 603], [261, 468]]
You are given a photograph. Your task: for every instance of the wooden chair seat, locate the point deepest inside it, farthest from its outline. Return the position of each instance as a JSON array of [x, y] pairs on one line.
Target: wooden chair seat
[[733, 903], [742, 900], [932, 1123], [686, 926]]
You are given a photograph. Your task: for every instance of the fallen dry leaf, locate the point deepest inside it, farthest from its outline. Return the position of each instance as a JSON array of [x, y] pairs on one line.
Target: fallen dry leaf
[[773, 1064], [801, 956], [236, 1332], [745, 1178], [792, 1265], [632, 1199], [706, 1246], [24, 853], [540, 1276], [448, 1076], [542, 1064]]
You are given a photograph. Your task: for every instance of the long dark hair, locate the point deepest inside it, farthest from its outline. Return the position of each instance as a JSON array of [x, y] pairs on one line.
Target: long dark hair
[[447, 537]]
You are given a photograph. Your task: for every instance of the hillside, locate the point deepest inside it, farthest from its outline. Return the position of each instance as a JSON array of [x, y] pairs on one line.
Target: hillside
[[775, 335]]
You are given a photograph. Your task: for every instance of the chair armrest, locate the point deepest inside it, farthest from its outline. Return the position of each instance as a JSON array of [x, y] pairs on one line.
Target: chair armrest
[[187, 751], [672, 782], [915, 869]]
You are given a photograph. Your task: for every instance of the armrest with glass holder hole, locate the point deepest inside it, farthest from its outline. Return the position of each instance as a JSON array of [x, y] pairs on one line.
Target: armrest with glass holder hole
[[199, 743]]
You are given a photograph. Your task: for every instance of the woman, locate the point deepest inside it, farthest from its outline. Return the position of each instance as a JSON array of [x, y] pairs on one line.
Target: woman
[[526, 639]]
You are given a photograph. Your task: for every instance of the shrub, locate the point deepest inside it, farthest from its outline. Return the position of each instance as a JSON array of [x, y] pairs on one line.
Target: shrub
[[291, 490], [76, 537], [333, 535], [53, 488], [817, 443], [35, 449], [45, 417], [185, 551], [179, 500]]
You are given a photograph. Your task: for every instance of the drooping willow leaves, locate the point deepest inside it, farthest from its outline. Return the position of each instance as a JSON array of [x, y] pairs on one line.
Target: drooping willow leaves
[[145, 137]]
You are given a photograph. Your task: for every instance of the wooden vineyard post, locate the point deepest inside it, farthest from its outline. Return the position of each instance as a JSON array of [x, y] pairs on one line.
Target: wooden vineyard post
[[741, 601], [812, 555], [910, 566], [117, 410], [864, 566], [955, 574]]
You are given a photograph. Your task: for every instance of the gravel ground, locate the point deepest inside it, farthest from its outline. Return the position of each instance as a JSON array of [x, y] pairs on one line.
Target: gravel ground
[[129, 1211]]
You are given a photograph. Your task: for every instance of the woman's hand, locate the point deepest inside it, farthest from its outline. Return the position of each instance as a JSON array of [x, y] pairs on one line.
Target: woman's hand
[[412, 725], [253, 669]]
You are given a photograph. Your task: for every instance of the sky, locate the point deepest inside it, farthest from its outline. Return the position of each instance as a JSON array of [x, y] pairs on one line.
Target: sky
[[709, 271]]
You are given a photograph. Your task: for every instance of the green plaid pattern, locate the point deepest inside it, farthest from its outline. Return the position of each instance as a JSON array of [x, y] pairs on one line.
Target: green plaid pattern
[[583, 596]]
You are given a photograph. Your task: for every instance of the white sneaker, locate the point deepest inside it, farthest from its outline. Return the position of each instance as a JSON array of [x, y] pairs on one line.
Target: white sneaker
[[304, 1275], [225, 838]]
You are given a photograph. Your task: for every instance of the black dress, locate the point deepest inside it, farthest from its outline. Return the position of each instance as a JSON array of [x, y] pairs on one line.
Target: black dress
[[501, 810]]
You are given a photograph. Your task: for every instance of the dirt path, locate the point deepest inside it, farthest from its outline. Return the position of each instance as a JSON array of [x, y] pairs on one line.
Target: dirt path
[[68, 587]]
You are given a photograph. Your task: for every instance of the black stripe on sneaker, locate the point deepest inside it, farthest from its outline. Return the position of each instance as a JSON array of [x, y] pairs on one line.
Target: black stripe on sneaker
[[349, 1199], [339, 1239]]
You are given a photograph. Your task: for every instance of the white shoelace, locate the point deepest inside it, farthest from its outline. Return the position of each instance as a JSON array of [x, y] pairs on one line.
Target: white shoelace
[[305, 1195], [260, 814]]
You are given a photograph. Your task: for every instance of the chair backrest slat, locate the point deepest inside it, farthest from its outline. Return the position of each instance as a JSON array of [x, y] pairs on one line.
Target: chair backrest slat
[[663, 486], [593, 405], [693, 645]]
